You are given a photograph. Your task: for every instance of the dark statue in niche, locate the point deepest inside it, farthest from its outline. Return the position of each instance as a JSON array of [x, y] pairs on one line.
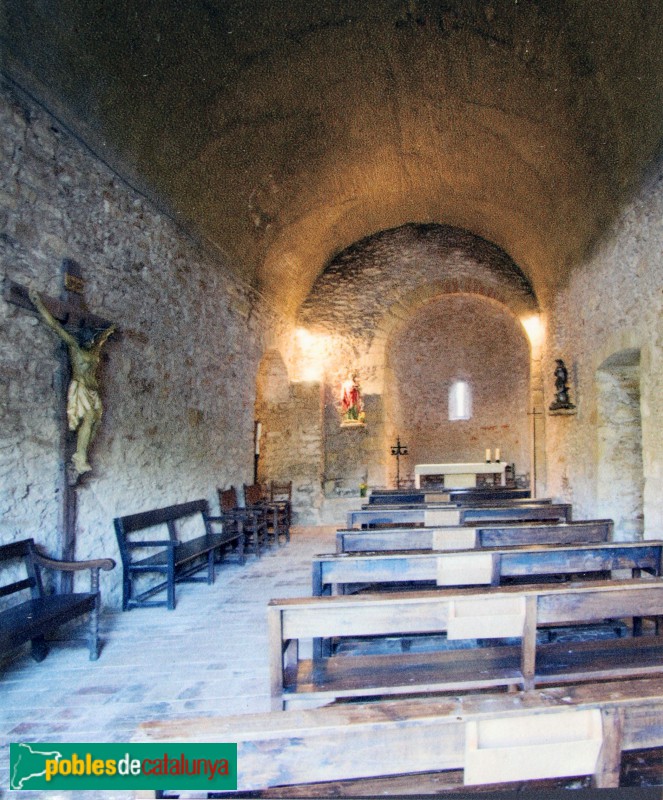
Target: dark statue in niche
[[561, 401]]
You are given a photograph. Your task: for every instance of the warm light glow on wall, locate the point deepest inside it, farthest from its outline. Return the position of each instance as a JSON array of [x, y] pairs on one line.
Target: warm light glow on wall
[[312, 349], [534, 329]]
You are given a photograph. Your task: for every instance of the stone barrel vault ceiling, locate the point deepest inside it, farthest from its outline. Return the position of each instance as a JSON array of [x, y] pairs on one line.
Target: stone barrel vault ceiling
[[282, 132]]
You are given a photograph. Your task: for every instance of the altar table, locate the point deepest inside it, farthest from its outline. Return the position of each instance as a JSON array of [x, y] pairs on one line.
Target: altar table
[[460, 476]]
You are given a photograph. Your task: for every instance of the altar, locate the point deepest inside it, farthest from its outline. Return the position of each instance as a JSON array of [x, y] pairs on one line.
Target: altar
[[460, 476]]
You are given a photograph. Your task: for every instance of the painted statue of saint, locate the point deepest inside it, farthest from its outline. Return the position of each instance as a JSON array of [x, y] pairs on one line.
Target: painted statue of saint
[[352, 405], [84, 408]]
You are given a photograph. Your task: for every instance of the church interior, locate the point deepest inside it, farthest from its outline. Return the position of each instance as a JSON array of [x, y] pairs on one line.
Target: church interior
[[323, 246]]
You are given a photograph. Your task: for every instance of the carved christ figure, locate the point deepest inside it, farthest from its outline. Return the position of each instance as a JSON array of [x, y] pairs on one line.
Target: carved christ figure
[[84, 407]]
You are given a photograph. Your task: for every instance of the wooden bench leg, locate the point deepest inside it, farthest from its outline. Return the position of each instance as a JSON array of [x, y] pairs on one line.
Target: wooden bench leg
[[210, 567], [528, 652], [126, 588], [170, 576], [93, 635], [39, 648], [608, 766]]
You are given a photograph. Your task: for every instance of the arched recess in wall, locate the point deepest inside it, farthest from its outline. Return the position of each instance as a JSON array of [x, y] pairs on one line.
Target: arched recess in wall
[[620, 473], [366, 293], [458, 338]]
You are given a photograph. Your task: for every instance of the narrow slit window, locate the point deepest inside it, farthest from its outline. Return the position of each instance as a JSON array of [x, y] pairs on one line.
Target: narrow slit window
[[460, 400]]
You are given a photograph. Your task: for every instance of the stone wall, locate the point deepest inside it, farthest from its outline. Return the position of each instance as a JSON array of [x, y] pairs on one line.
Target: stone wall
[[291, 443], [611, 310], [467, 338], [178, 378]]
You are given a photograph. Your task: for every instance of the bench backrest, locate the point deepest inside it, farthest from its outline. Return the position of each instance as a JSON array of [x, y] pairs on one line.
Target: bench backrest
[[463, 538], [22, 550], [397, 737], [541, 511], [280, 490], [483, 567], [253, 495], [430, 612], [228, 499], [168, 516], [440, 514]]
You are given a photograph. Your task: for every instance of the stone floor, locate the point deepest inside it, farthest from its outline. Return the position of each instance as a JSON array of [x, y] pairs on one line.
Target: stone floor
[[207, 656]]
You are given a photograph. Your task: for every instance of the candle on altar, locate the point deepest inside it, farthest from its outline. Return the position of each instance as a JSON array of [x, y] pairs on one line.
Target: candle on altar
[[487, 454], [497, 454]]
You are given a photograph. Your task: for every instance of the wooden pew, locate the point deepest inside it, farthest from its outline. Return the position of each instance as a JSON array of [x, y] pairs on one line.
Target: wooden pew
[[174, 559], [459, 538], [363, 741], [35, 613], [501, 613], [432, 501], [437, 515], [458, 496], [485, 567]]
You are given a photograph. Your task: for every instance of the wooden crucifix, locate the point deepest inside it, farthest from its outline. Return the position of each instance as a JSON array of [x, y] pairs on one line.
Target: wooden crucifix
[[83, 334]]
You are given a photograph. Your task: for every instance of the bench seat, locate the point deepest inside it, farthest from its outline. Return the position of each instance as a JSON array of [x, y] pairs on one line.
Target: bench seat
[[33, 618], [339, 745], [514, 624], [314, 684], [41, 615], [186, 552]]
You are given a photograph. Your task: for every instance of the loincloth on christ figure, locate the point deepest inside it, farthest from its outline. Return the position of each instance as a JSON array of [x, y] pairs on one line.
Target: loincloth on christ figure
[[81, 401]]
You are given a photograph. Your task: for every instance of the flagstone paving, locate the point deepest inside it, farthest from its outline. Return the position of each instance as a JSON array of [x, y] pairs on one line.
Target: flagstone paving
[[208, 656]]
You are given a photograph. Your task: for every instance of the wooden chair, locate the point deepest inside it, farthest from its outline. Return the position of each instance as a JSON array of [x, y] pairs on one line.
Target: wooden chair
[[275, 515], [234, 517], [281, 492]]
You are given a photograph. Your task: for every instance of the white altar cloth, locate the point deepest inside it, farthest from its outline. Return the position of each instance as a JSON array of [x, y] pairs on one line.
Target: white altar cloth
[[465, 475]]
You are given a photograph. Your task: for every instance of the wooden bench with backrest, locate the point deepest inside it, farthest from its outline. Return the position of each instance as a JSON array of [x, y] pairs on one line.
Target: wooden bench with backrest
[[33, 619], [559, 732], [482, 567], [252, 522], [321, 625], [465, 538], [458, 496], [435, 515], [176, 559], [443, 500], [275, 514]]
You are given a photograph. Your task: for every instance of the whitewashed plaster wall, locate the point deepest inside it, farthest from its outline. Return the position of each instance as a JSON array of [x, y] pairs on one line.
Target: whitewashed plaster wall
[[178, 380], [612, 305]]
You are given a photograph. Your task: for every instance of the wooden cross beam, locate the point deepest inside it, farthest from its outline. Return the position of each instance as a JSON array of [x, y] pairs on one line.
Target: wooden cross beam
[[70, 311]]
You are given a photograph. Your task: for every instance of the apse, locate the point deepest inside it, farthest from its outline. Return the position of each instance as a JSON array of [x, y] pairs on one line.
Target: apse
[[459, 383]]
